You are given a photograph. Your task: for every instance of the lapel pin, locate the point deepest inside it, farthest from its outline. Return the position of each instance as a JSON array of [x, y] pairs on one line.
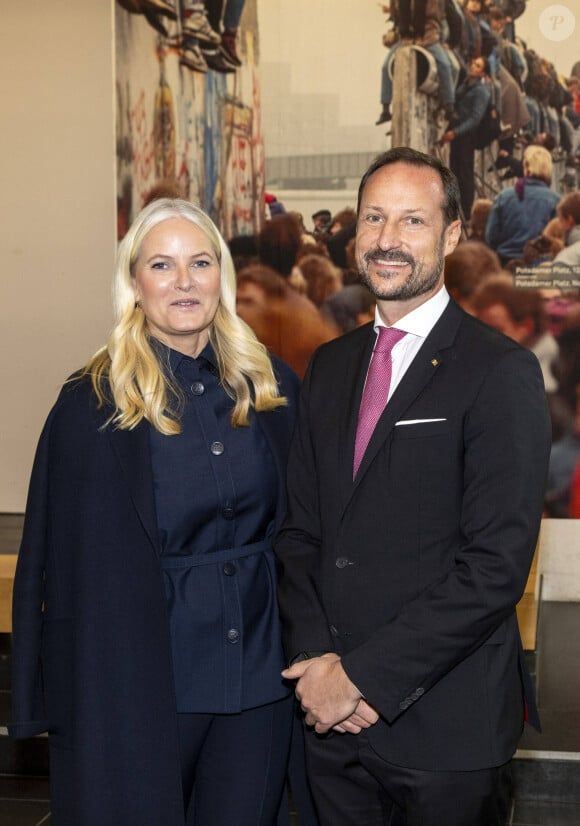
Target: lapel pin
[[434, 362]]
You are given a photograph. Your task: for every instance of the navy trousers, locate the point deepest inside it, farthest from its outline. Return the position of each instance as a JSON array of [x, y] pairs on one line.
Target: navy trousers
[[233, 766]]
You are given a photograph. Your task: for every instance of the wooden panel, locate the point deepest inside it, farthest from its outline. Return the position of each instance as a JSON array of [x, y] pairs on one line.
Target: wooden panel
[[7, 569], [527, 609]]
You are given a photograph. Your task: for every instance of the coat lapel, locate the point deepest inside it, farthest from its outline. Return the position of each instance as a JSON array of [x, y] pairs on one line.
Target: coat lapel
[[134, 455], [428, 360], [274, 426]]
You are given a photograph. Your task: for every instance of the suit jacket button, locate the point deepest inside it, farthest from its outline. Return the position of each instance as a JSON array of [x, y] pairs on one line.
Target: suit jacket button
[[197, 388], [419, 692], [229, 569], [233, 635], [334, 631], [217, 448], [341, 562], [228, 512], [403, 705]]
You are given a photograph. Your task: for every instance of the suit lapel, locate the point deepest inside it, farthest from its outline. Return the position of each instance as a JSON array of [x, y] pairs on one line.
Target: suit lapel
[[354, 375], [422, 369], [134, 455]]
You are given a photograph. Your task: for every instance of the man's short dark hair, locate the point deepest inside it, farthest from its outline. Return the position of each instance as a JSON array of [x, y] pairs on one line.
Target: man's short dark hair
[[569, 206], [404, 154]]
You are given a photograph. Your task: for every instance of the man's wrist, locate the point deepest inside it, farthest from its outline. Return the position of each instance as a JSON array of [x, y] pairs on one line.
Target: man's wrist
[[306, 655]]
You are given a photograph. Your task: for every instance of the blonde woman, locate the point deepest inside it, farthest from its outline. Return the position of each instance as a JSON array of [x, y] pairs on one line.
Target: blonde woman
[[521, 212], [146, 637]]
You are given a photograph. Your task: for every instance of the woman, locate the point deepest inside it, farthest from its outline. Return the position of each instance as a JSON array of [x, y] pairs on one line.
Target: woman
[[520, 213], [146, 637]]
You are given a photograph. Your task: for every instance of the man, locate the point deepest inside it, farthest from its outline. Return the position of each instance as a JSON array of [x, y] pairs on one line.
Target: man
[[321, 220], [404, 552], [521, 315], [420, 23], [472, 100], [569, 216]]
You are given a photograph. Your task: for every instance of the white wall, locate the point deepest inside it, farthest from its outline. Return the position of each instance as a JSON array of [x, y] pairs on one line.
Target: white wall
[[559, 560], [320, 64], [57, 196], [531, 26]]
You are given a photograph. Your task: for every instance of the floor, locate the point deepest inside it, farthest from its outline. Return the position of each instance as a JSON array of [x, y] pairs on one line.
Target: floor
[[24, 801]]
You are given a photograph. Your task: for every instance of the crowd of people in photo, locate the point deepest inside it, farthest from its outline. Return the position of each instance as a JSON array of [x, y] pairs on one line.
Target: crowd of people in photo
[[491, 86], [203, 32]]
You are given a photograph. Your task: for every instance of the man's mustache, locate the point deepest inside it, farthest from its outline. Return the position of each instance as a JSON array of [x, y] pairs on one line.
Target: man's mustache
[[388, 255]]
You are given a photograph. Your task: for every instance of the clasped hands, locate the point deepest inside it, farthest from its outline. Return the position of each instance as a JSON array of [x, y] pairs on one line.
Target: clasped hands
[[327, 696]]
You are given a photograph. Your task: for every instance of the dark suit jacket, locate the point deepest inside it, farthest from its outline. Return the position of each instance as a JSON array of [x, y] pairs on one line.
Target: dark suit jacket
[[412, 572], [91, 644]]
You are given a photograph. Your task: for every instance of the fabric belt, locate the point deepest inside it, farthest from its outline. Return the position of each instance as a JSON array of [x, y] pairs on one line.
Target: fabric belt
[[225, 555]]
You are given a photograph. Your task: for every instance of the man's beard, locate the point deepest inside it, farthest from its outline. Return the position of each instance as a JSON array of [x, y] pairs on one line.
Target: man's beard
[[417, 282]]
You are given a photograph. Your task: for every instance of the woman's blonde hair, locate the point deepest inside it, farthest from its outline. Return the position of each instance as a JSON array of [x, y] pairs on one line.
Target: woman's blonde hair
[[126, 371], [537, 163]]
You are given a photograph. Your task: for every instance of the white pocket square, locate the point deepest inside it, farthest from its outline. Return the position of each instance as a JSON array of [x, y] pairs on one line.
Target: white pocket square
[[417, 421]]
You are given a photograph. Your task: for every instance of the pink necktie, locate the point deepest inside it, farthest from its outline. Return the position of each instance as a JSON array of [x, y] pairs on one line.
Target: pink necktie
[[376, 391]]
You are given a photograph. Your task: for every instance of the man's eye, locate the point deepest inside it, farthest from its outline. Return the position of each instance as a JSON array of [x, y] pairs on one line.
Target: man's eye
[[372, 219], [412, 219]]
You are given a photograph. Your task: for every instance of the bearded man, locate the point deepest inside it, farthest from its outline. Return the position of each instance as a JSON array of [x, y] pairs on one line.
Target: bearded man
[[415, 484]]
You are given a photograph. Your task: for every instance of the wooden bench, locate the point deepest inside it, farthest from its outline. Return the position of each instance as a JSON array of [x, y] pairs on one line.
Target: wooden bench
[[7, 569]]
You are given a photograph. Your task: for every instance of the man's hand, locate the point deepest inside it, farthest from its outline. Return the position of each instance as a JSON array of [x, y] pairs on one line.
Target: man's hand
[[364, 717], [326, 694]]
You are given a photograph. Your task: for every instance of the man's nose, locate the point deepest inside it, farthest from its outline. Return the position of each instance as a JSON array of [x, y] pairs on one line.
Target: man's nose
[[389, 237]]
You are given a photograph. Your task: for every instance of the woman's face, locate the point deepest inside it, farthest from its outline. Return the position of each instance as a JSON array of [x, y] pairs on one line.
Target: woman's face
[[177, 282]]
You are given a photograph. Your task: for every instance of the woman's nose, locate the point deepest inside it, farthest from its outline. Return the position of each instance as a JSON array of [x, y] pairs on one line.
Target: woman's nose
[[183, 278]]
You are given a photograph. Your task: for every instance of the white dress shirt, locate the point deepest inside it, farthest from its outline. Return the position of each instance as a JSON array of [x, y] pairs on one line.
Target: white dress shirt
[[417, 325]]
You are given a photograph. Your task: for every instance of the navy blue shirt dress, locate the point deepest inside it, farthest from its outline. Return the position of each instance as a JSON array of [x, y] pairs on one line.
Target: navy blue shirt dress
[[215, 490]]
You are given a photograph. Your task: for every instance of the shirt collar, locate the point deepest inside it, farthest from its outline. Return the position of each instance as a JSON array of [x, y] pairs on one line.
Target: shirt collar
[[173, 358], [420, 321]]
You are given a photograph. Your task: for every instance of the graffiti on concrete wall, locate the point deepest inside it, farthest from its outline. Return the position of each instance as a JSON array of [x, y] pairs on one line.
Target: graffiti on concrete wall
[[188, 108]]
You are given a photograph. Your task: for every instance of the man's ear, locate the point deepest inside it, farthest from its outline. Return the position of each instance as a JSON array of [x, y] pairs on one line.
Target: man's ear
[[452, 236]]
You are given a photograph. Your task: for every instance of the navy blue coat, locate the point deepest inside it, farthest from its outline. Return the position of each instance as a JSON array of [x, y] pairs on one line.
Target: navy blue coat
[[91, 646]]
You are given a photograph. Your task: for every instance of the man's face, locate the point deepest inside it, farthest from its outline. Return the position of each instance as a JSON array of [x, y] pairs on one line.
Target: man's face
[[477, 67], [401, 240], [567, 222], [498, 317], [251, 304]]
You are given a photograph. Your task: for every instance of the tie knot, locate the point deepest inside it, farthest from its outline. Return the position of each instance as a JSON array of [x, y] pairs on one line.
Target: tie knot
[[388, 337]]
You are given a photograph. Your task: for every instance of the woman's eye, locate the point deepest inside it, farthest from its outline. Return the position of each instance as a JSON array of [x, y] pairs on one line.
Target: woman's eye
[[159, 265], [202, 263]]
